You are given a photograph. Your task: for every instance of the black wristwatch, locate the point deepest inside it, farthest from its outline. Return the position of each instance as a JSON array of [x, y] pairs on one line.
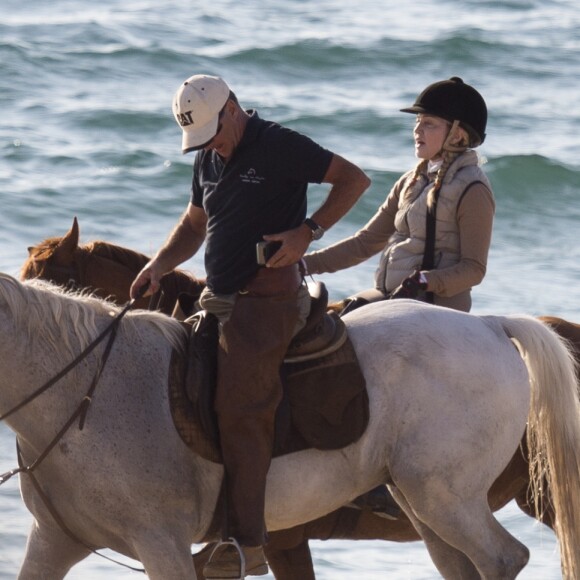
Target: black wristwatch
[[317, 231]]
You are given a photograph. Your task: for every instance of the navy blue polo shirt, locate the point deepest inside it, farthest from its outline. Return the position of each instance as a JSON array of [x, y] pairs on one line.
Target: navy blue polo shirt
[[260, 190]]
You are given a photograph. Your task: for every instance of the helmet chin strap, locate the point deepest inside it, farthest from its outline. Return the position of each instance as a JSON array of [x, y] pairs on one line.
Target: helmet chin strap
[[447, 146]]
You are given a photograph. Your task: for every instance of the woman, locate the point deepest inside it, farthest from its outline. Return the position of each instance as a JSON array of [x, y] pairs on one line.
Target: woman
[[434, 229]]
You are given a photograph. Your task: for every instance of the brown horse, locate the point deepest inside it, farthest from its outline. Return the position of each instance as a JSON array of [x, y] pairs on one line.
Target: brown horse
[[108, 271], [104, 269]]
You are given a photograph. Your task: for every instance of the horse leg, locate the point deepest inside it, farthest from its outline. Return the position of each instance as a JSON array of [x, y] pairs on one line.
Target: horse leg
[[165, 556], [514, 483], [547, 516], [523, 496], [293, 563], [288, 551], [472, 529], [450, 562], [287, 562], [50, 554], [201, 558]]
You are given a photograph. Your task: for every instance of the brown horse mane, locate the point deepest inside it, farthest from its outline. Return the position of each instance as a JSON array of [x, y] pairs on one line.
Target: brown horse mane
[[129, 258]]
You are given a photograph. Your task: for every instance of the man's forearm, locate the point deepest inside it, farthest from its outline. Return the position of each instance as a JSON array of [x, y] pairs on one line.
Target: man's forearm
[[182, 244], [340, 200], [349, 182]]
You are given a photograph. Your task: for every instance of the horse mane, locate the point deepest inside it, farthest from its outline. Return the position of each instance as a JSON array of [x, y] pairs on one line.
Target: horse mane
[[131, 259], [46, 309]]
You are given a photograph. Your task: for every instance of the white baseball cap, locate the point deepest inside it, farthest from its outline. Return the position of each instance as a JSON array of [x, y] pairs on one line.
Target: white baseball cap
[[196, 107]]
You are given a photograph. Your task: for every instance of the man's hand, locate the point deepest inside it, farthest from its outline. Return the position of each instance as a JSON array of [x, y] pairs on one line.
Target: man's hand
[[146, 283], [294, 245], [411, 286]]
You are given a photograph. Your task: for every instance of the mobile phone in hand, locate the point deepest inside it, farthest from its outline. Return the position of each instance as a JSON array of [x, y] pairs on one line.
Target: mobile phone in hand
[[265, 250]]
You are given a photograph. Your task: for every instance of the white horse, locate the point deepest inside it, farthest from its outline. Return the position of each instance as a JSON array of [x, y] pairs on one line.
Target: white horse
[[449, 397]]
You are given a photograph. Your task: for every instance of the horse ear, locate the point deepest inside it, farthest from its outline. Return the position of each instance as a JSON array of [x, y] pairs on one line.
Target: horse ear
[[64, 251]]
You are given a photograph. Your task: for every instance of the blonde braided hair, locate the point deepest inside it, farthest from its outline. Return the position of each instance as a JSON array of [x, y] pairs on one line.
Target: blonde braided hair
[[407, 194], [450, 153]]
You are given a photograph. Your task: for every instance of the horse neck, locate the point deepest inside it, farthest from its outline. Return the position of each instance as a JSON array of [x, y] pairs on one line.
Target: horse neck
[[108, 279], [109, 270], [24, 372]]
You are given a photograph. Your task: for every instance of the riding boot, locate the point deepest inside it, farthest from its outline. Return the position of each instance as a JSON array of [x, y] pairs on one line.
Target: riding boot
[[351, 304], [361, 299], [380, 501]]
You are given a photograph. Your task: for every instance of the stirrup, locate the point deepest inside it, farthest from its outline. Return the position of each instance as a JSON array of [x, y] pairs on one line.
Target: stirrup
[[237, 546]]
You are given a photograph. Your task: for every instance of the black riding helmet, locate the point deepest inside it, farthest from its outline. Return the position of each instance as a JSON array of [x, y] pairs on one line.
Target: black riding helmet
[[454, 100]]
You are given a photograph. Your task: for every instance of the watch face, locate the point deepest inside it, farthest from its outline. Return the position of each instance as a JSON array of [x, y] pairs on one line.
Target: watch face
[[317, 233]]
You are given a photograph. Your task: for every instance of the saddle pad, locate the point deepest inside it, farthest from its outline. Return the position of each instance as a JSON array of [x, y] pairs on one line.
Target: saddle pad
[[325, 406], [186, 415]]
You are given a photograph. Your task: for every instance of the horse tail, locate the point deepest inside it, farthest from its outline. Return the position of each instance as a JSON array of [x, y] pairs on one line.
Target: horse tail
[[553, 429]]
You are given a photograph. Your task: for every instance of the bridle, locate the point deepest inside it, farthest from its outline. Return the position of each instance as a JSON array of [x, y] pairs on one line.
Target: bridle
[[80, 414]]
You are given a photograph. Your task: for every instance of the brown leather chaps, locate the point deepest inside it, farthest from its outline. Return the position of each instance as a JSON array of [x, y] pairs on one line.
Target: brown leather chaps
[[253, 343]]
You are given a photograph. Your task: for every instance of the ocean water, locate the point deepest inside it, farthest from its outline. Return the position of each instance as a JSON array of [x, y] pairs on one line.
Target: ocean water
[[86, 130]]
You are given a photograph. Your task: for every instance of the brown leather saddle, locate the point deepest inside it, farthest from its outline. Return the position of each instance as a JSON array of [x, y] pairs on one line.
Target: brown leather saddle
[[325, 403]]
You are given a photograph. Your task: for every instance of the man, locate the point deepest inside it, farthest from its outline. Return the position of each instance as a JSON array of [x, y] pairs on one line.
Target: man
[[250, 179]]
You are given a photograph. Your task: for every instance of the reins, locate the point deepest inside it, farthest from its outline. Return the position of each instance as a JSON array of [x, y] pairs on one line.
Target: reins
[[80, 413], [110, 329]]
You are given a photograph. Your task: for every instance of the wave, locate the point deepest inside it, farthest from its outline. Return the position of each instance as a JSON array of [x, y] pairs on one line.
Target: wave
[[528, 189], [526, 177]]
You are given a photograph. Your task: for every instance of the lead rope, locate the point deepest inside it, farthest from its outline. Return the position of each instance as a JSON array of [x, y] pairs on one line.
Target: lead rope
[[81, 412]]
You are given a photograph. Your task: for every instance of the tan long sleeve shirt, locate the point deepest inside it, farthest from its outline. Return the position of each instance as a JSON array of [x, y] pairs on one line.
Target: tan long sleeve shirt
[[475, 213]]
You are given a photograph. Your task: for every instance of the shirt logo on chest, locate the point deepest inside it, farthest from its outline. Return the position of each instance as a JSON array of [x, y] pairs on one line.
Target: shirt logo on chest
[[251, 177]]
